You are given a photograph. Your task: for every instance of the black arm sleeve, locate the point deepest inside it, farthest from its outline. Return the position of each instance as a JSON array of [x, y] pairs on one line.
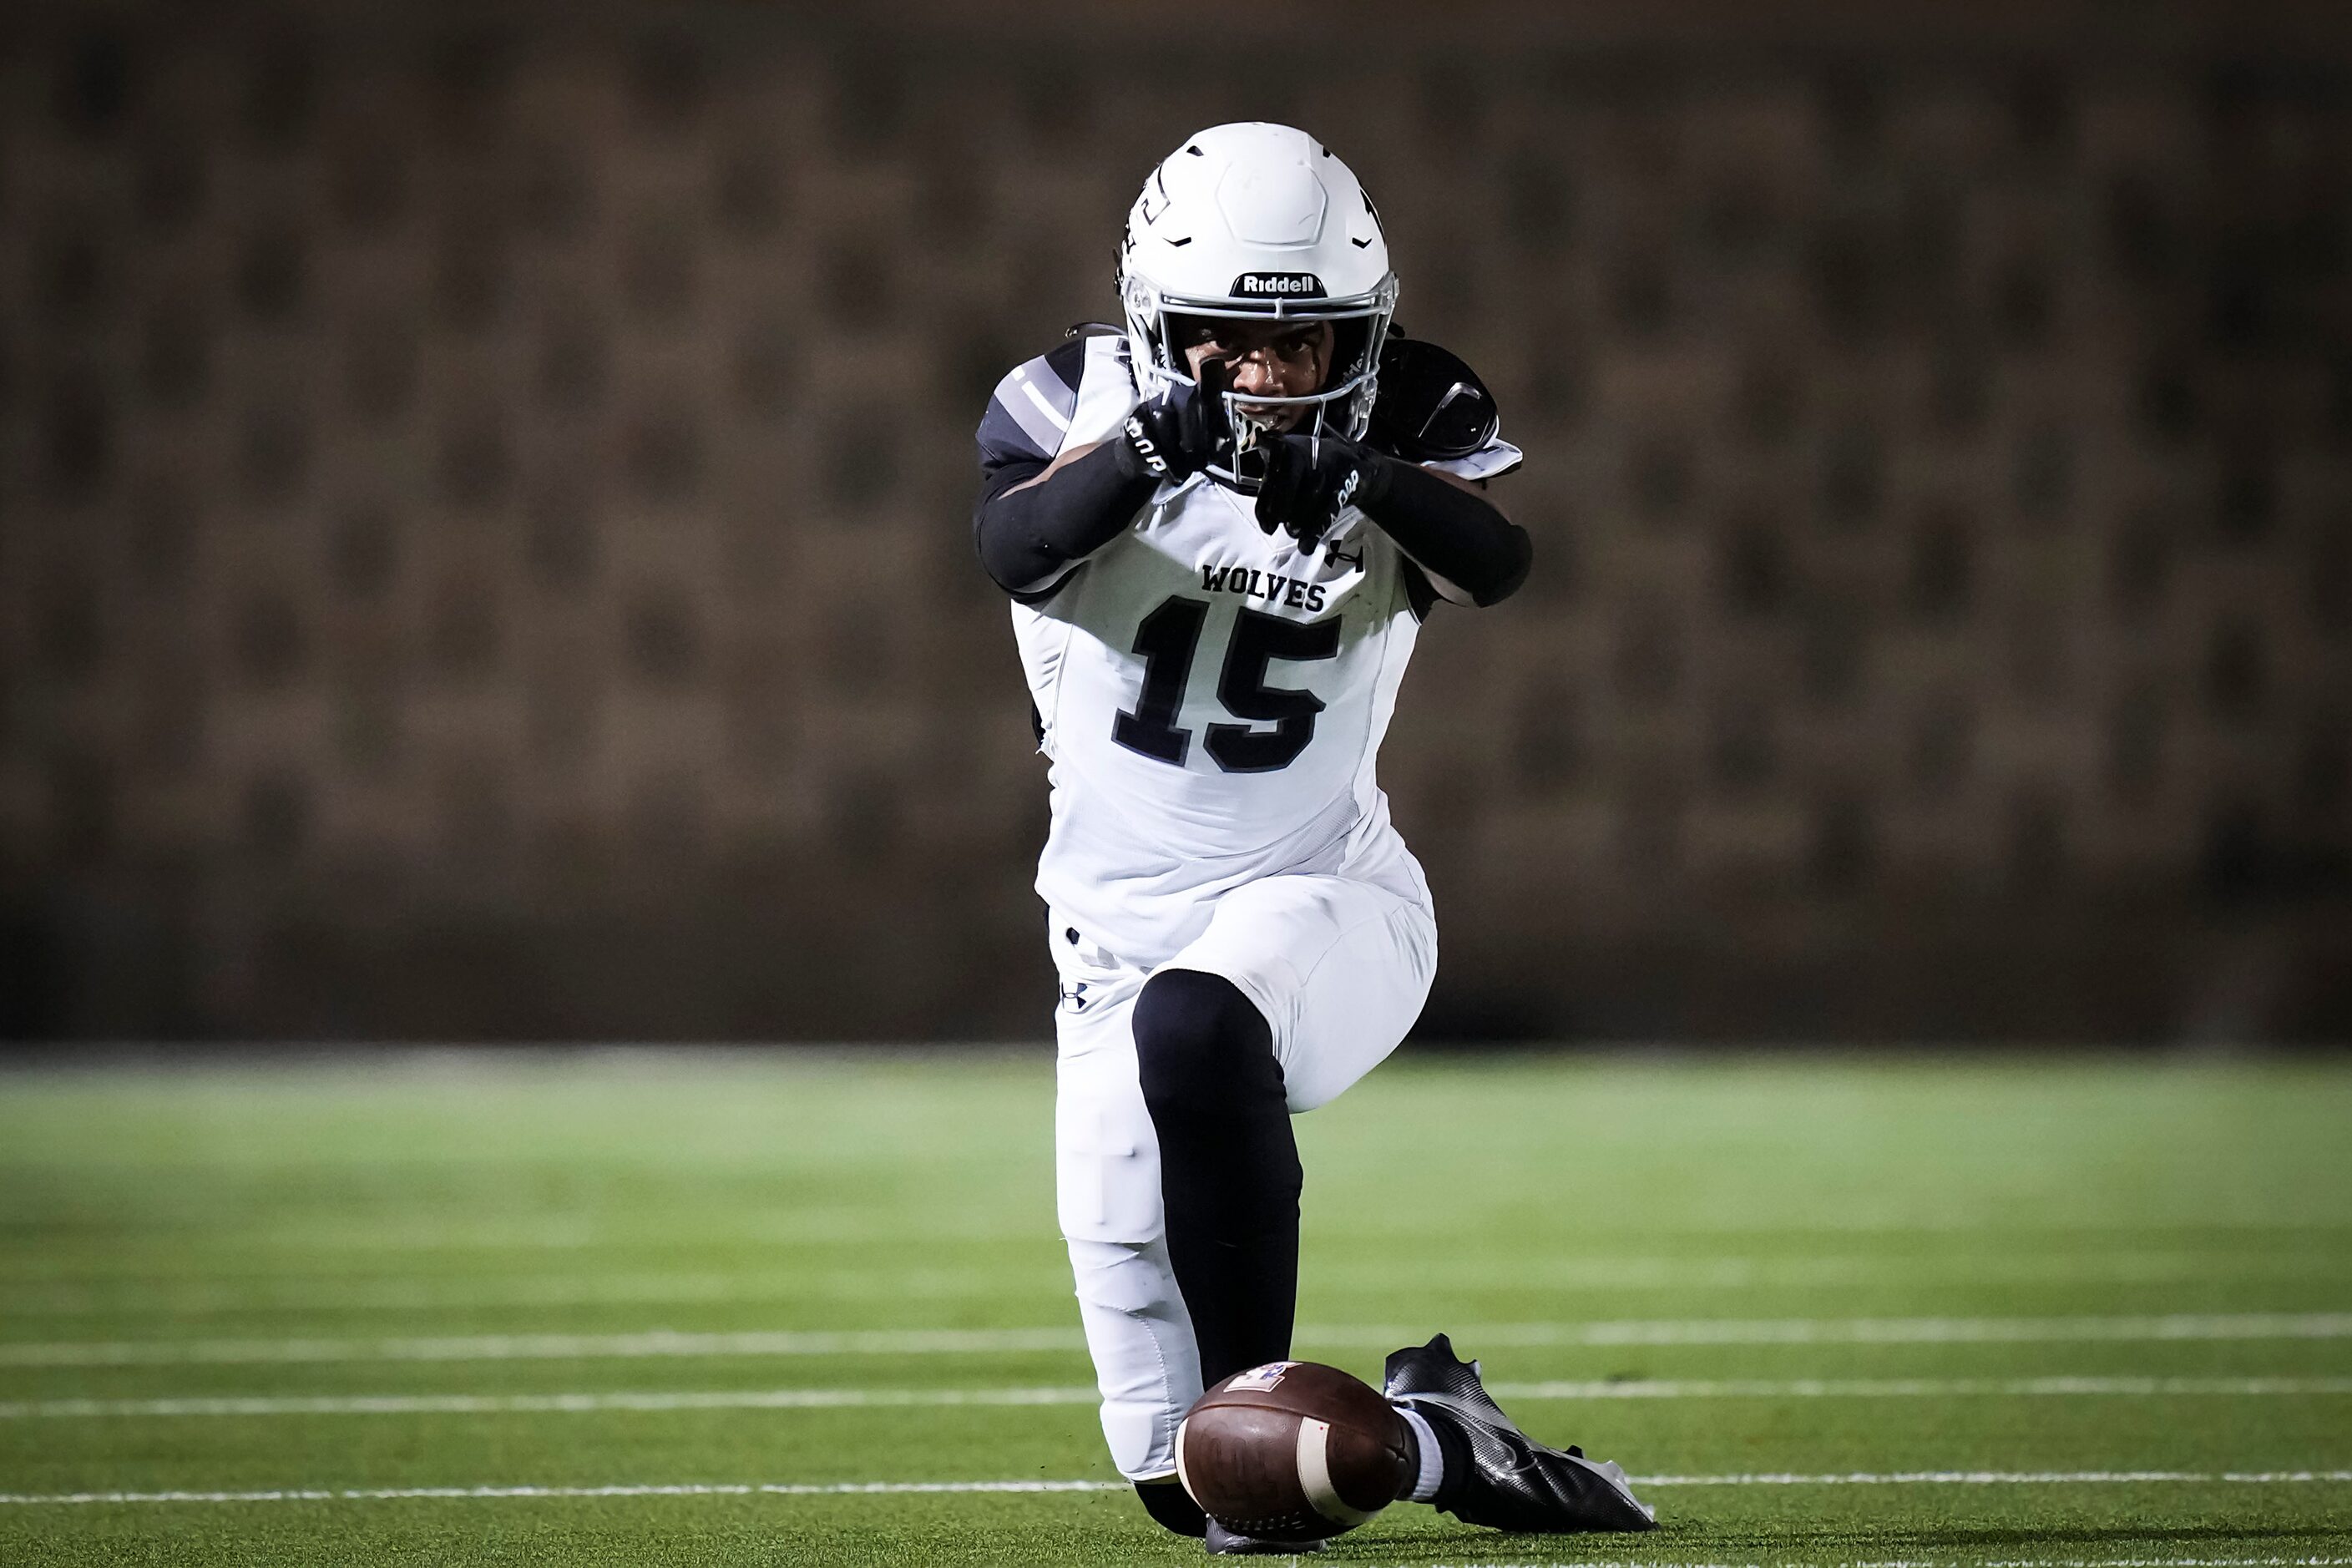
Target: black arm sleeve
[[1453, 533], [1029, 537]]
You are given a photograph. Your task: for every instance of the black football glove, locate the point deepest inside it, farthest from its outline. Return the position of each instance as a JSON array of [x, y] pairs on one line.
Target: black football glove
[[1175, 433], [1310, 480]]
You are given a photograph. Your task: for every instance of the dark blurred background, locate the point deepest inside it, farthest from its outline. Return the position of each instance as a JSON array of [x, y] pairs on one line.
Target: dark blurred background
[[484, 543]]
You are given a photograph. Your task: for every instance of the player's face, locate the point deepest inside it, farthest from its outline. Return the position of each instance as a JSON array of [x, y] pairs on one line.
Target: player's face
[[1272, 359]]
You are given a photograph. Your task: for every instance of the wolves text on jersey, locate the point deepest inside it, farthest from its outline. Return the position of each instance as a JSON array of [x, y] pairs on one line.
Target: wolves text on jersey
[[1273, 588]]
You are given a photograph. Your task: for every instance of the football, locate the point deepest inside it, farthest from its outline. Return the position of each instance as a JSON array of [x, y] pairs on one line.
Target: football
[[1292, 1451]]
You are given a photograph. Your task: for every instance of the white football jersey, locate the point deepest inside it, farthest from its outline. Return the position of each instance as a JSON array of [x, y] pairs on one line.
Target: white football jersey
[[1213, 698]]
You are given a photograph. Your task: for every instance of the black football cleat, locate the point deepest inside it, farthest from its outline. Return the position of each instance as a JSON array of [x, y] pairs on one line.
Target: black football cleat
[[1224, 1543], [1513, 1481]]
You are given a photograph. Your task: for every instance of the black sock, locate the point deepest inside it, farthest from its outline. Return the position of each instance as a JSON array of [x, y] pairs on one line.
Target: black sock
[[1455, 1460], [1411, 1458], [1173, 1508], [1229, 1172]]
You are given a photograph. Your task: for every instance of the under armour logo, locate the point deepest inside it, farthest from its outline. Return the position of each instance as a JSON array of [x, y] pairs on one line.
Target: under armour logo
[[1076, 996], [1332, 552]]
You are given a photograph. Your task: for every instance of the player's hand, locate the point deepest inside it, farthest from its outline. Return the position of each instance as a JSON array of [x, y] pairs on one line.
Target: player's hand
[[1311, 479], [1173, 434]]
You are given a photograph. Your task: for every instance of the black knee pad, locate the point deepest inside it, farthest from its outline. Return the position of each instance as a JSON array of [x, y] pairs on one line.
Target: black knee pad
[[1203, 1049]]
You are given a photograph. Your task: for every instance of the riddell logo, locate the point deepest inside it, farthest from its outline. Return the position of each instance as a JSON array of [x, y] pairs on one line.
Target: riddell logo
[[1279, 285]]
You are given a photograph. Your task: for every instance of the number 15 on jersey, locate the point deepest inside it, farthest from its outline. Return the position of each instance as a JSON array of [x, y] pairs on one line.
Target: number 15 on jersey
[[1168, 638]]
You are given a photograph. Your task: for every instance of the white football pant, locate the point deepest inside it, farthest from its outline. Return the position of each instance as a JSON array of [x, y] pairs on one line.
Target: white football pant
[[1340, 968]]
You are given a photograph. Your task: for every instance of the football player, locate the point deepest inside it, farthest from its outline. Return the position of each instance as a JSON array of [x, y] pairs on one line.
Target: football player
[[1221, 529]]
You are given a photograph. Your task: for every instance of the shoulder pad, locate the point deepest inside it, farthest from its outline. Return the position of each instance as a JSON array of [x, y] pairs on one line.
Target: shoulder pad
[[1431, 407]]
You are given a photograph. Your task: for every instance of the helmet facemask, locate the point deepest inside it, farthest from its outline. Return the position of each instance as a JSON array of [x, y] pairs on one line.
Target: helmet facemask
[[1342, 406]]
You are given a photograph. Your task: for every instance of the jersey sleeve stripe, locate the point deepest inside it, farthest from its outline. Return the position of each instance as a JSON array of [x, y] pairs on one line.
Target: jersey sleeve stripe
[[1029, 414], [1006, 438], [1059, 417], [1012, 403]]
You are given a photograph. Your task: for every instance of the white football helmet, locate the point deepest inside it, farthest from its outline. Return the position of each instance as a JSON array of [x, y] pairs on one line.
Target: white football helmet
[[1259, 222]]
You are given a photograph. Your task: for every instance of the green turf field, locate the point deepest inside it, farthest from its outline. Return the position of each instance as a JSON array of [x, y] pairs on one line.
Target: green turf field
[[645, 1310]]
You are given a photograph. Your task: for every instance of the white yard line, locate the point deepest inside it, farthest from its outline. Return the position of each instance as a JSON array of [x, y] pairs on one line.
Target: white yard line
[[855, 1489], [1572, 1271], [199, 1254], [1933, 1562], [1894, 1330], [2003, 1478], [1925, 1388], [550, 1404], [576, 1404], [656, 1342], [381, 1494], [663, 1342], [171, 1297]]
